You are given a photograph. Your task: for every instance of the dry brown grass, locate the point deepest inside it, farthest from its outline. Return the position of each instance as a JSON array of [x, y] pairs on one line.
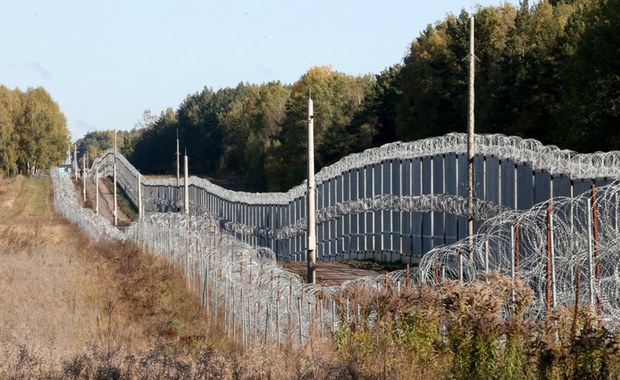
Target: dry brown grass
[[76, 310], [61, 294], [9, 188]]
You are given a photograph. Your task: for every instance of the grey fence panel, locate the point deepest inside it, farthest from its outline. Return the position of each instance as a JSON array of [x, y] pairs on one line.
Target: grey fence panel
[[347, 229], [333, 190], [427, 217], [355, 218], [600, 182], [542, 186], [301, 209], [479, 177], [525, 183], [462, 192], [387, 226], [377, 231], [406, 227], [507, 185], [581, 186], [451, 187], [369, 225], [492, 180], [322, 228], [431, 166], [439, 173], [416, 222], [397, 216], [561, 186], [341, 187]]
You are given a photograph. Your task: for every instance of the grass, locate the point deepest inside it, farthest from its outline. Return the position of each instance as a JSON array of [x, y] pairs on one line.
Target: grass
[[123, 201], [32, 199], [71, 309], [63, 296]]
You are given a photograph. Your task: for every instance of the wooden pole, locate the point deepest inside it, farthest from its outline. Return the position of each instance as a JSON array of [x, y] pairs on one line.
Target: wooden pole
[[75, 161], [470, 142], [311, 277], [185, 185], [139, 196], [114, 185], [178, 171], [97, 191], [84, 176]]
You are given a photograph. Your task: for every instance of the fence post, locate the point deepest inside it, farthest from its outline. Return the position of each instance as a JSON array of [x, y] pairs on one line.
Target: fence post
[[597, 262], [590, 249]]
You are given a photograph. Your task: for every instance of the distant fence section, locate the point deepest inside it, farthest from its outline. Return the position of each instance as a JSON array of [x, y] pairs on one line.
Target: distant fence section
[[391, 203]]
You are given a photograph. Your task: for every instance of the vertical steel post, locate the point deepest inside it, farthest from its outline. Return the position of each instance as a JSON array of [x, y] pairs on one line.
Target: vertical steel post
[[114, 185], [551, 248], [97, 190], [590, 249], [75, 161], [512, 263], [84, 176], [185, 185], [311, 277], [597, 262], [139, 196], [470, 142], [178, 154]]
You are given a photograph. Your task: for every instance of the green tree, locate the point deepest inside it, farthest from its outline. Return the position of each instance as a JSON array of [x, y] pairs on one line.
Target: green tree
[[521, 53], [10, 114], [43, 138], [269, 116], [433, 84], [155, 145], [588, 118], [337, 99]]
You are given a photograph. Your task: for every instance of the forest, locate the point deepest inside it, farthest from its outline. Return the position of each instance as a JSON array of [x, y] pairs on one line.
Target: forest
[[549, 71], [33, 131]]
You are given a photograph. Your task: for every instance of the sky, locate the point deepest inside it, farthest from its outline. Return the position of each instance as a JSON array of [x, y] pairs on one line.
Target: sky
[[106, 62]]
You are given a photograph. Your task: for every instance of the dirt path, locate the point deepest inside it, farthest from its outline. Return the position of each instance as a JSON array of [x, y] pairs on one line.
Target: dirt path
[[106, 202], [331, 273]]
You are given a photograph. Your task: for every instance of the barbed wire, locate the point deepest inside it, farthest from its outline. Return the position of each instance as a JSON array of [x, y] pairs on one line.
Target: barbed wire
[[582, 233], [445, 203], [547, 158], [554, 247]]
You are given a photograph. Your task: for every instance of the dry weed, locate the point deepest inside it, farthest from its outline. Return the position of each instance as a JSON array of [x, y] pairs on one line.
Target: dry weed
[[76, 310]]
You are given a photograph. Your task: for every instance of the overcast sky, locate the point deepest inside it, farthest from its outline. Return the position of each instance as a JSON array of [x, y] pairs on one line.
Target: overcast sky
[[105, 62]]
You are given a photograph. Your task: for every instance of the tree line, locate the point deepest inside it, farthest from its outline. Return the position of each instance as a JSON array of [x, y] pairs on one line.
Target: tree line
[[33, 131], [548, 71]]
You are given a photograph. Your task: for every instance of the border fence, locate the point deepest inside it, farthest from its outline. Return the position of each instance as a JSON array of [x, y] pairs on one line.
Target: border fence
[[569, 240], [392, 203]]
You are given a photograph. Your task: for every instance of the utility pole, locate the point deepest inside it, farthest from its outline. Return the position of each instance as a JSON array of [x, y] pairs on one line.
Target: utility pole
[[84, 176], [178, 167], [97, 191], [185, 185], [114, 186], [311, 197], [470, 144], [139, 196], [75, 161]]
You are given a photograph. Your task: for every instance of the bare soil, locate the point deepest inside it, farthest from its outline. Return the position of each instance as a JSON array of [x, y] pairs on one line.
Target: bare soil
[[106, 202], [330, 273]]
